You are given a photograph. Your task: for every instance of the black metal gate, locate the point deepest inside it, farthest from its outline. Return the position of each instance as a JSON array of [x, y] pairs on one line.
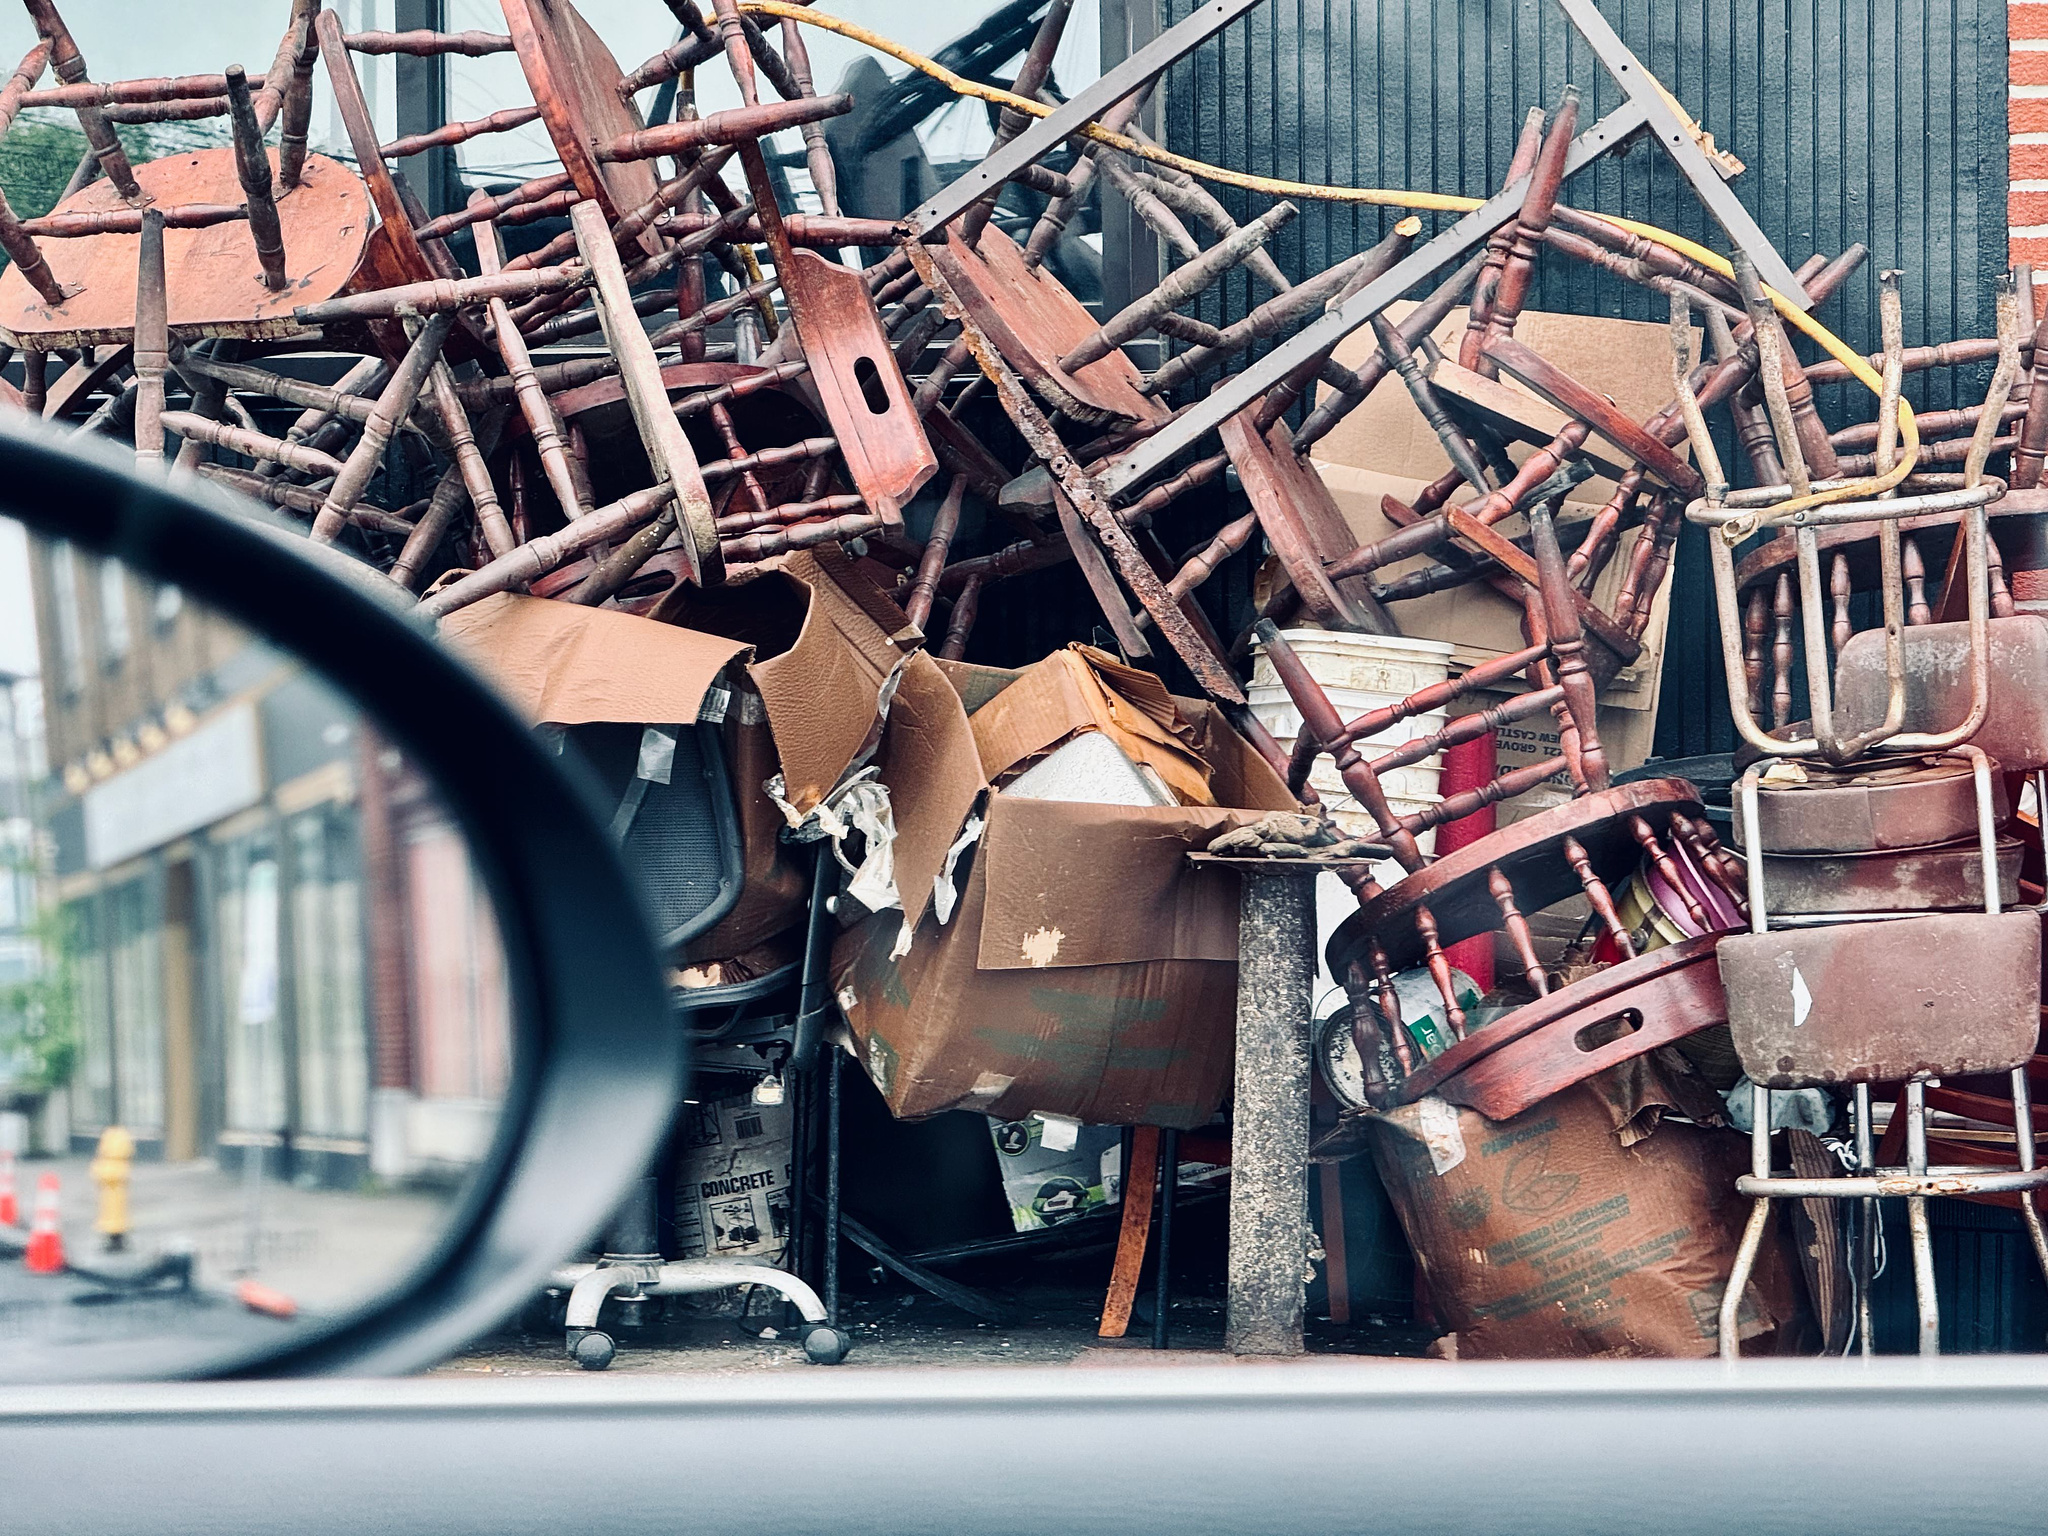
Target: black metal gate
[[1880, 121]]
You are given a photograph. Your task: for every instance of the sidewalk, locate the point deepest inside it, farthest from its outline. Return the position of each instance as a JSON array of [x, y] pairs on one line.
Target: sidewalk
[[327, 1249]]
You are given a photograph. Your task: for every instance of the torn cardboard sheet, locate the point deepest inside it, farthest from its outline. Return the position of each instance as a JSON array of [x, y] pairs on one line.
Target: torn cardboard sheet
[[564, 664], [859, 807]]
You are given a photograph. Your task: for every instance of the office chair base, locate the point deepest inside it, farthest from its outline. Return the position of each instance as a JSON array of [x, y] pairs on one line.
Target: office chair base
[[590, 1284]]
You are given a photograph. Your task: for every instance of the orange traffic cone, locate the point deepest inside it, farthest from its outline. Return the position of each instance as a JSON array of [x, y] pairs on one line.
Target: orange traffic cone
[[10, 1207], [46, 1241]]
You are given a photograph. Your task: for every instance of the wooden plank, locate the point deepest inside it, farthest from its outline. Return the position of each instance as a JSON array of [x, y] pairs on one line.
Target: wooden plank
[[1136, 1229]]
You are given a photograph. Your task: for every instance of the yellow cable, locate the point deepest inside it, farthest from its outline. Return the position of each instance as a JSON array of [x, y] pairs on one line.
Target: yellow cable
[[1436, 202], [764, 303]]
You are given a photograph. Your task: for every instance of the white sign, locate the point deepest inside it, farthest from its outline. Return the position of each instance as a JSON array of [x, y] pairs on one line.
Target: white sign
[[195, 781]]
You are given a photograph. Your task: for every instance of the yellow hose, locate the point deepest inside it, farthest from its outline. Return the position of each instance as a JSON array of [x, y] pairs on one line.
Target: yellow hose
[[1435, 202]]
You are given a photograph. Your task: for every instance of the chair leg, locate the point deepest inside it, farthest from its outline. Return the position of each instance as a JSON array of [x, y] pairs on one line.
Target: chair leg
[[1134, 1228], [1866, 1226], [1923, 1276], [1916, 1221], [1759, 1219], [2023, 1138], [1162, 1274], [1738, 1278], [832, 1213]]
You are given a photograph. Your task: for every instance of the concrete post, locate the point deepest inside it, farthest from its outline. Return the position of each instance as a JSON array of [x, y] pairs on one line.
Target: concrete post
[[1269, 1232]]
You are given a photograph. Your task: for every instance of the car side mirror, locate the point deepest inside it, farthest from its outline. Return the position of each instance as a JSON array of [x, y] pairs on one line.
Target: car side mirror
[[329, 1019]]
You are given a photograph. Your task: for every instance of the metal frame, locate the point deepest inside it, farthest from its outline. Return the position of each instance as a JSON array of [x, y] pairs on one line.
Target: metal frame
[[1047, 133], [1676, 140], [1647, 107], [1915, 1183], [1882, 517]]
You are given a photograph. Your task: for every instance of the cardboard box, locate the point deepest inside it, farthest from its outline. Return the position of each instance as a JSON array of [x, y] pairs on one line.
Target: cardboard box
[[1385, 448], [1587, 1226], [1045, 1185], [1629, 361], [1088, 970]]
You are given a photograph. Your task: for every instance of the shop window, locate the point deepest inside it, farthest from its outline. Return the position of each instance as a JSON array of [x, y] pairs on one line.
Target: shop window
[[92, 1079], [70, 630], [135, 975], [246, 937], [458, 971], [114, 632], [330, 1027]]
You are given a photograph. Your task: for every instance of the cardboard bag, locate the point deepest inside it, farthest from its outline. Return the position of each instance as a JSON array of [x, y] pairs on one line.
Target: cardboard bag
[[733, 1178], [1546, 1237]]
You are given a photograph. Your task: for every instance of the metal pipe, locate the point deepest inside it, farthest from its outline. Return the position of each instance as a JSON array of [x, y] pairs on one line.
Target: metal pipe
[[1916, 1219], [1866, 1232]]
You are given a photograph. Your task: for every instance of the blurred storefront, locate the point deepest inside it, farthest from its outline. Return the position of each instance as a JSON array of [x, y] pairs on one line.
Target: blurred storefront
[[273, 939]]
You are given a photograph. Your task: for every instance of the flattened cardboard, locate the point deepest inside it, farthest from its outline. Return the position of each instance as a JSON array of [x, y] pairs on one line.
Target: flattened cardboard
[[1547, 1237], [564, 664], [1629, 361]]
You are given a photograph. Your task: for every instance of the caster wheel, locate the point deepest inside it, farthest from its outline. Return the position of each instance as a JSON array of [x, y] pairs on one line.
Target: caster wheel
[[825, 1345], [594, 1351]]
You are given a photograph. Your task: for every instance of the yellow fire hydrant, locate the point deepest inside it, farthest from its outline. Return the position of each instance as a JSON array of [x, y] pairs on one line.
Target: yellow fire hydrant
[[111, 1163]]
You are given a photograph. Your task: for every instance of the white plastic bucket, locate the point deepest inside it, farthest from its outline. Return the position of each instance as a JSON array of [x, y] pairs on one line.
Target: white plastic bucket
[[1276, 712], [1393, 666], [1361, 673]]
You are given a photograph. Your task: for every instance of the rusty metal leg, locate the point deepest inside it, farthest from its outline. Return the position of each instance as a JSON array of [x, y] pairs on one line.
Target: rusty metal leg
[[2023, 1135], [1866, 1226], [1916, 1220], [1738, 1279], [1269, 1232], [152, 341], [1162, 1276], [1753, 1233]]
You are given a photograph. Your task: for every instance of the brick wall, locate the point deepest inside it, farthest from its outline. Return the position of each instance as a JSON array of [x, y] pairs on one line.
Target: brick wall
[[2026, 195]]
